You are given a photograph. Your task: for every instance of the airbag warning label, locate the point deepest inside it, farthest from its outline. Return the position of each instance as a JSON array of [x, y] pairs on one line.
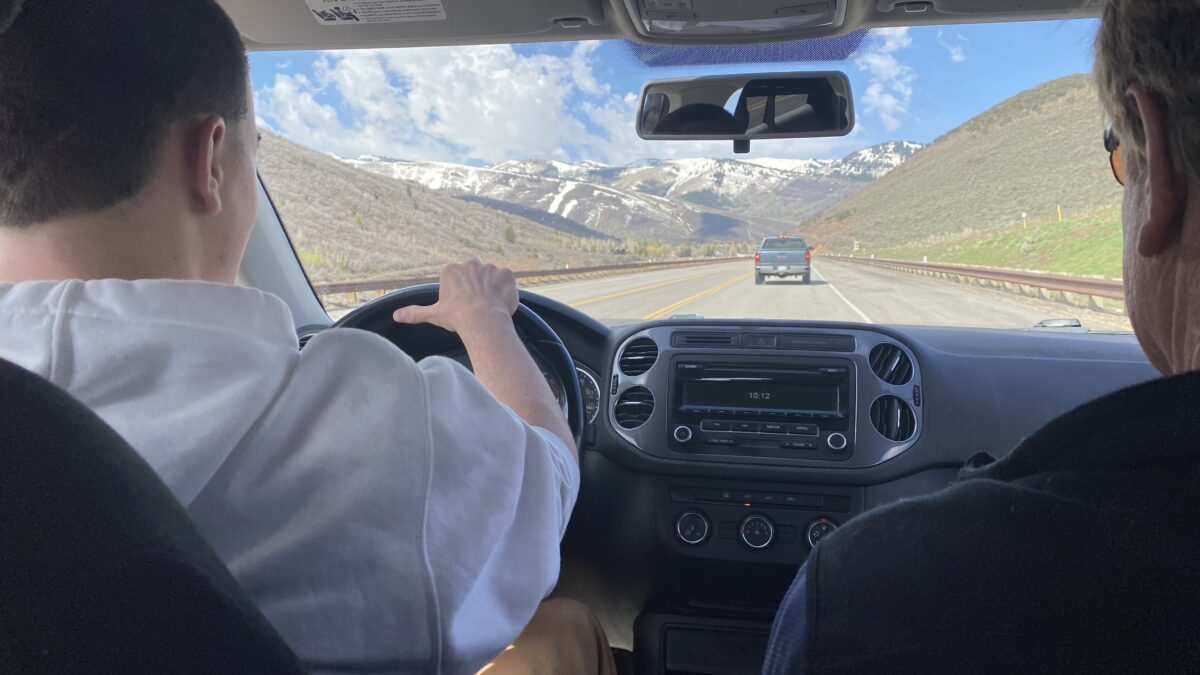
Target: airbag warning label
[[348, 12]]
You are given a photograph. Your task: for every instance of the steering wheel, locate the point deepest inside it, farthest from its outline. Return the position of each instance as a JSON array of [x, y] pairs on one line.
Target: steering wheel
[[376, 317]]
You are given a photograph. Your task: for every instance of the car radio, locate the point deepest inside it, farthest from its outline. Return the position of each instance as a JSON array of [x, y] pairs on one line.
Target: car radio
[[759, 406]]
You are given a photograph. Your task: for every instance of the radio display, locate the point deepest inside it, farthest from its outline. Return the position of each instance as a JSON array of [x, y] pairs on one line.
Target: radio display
[[765, 395]]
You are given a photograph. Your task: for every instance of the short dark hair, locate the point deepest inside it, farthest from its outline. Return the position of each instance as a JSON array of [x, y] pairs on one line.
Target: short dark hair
[[88, 89]]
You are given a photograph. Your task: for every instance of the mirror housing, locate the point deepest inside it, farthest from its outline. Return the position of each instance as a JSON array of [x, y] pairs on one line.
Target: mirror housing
[[741, 108]]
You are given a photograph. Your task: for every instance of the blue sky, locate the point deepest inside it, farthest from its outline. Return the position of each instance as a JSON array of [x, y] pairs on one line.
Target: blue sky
[[575, 101]]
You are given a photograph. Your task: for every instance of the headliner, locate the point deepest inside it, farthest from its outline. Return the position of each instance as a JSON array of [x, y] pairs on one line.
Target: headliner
[[289, 24]]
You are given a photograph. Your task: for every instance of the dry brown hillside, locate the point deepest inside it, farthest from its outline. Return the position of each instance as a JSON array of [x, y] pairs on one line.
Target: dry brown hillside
[[350, 224]]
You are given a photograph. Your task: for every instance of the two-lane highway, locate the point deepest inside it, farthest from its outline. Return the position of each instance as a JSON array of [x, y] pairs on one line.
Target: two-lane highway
[[838, 292]]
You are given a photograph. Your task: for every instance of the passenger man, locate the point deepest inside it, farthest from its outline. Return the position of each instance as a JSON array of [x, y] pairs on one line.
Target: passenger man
[[1080, 551]]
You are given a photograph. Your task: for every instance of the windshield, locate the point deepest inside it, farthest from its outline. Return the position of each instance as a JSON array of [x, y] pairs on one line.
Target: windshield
[[778, 244], [974, 180]]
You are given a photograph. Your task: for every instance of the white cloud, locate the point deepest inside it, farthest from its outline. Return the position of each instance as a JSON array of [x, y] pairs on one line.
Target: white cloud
[[890, 86], [955, 45], [482, 104]]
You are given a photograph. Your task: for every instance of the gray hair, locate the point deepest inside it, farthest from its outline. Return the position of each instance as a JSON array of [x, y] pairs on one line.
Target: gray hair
[[1155, 43]]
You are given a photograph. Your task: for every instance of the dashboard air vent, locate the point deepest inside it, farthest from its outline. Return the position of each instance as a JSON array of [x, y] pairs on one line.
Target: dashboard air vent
[[891, 364], [705, 339], [638, 356], [893, 419], [633, 408]]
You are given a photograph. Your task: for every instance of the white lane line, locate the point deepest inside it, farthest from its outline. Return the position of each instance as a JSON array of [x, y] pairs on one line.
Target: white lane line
[[849, 304]]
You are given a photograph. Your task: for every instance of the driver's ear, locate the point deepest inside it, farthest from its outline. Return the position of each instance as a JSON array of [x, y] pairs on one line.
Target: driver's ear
[[205, 145], [1166, 186]]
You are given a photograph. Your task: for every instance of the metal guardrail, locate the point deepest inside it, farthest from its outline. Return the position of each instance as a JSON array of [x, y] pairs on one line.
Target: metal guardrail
[[1097, 288], [528, 277]]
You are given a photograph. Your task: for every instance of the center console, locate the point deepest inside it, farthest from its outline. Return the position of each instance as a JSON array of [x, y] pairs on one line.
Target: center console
[[767, 395], [840, 399]]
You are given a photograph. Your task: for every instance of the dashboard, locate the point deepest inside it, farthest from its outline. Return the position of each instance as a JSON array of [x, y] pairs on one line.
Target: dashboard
[[718, 452], [723, 451]]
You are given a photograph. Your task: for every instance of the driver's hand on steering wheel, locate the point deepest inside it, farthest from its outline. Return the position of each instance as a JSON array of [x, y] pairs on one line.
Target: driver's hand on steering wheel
[[473, 296], [478, 301]]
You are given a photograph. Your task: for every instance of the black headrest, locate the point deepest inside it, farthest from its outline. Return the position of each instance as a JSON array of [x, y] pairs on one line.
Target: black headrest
[[100, 568], [698, 118]]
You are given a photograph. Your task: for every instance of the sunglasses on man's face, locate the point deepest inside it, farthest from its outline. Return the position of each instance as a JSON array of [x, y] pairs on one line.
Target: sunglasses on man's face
[[1113, 145]]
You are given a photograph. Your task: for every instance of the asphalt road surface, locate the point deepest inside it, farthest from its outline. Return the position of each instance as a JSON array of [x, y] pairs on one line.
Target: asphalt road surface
[[839, 292]]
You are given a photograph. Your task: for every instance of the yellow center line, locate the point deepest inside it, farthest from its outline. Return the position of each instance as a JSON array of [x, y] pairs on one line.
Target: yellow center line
[[669, 309], [639, 289]]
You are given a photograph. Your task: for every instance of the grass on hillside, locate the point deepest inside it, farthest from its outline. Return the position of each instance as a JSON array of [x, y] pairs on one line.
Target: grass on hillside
[[1086, 245], [1031, 153]]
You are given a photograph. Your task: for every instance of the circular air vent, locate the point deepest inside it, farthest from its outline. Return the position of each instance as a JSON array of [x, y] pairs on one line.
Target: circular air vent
[[634, 407], [638, 356], [893, 419], [891, 364]]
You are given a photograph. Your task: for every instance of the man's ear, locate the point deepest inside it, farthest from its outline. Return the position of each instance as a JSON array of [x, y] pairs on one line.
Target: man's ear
[[207, 142], [1166, 186]]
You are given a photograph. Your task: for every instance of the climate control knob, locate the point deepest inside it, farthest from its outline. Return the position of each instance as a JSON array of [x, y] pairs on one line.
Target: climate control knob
[[682, 433], [692, 528], [757, 531], [819, 529]]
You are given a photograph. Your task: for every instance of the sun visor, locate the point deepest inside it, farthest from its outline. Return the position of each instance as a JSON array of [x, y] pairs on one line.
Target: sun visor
[[289, 24], [741, 20], [988, 8]]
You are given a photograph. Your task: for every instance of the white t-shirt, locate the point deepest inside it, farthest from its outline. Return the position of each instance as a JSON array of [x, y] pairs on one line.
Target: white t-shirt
[[385, 515]]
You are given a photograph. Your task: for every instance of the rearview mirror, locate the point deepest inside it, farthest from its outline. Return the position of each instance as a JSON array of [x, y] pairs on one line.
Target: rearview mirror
[[745, 107]]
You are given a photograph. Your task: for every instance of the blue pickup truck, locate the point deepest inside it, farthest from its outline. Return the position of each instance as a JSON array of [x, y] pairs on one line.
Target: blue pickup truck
[[783, 257]]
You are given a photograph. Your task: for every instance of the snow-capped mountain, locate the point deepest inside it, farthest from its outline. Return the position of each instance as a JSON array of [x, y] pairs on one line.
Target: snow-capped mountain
[[875, 161], [667, 199], [601, 207], [866, 164]]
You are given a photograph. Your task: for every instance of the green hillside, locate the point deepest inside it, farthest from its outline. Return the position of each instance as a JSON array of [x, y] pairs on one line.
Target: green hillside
[[1031, 153], [1087, 245]]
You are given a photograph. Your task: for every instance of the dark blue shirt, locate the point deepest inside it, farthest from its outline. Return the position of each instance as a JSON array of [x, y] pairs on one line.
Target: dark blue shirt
[[787, 651]]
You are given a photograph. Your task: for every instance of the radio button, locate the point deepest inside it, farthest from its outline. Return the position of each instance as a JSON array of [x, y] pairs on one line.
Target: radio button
[[727, 530], [719, 441], [803, 429], [746, 427], [683, 433], [714, 425], [799, 445], [837, 442], [773, 428]]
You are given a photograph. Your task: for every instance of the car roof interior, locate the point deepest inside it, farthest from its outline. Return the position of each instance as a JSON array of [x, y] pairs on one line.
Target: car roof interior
[[289, 24]]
